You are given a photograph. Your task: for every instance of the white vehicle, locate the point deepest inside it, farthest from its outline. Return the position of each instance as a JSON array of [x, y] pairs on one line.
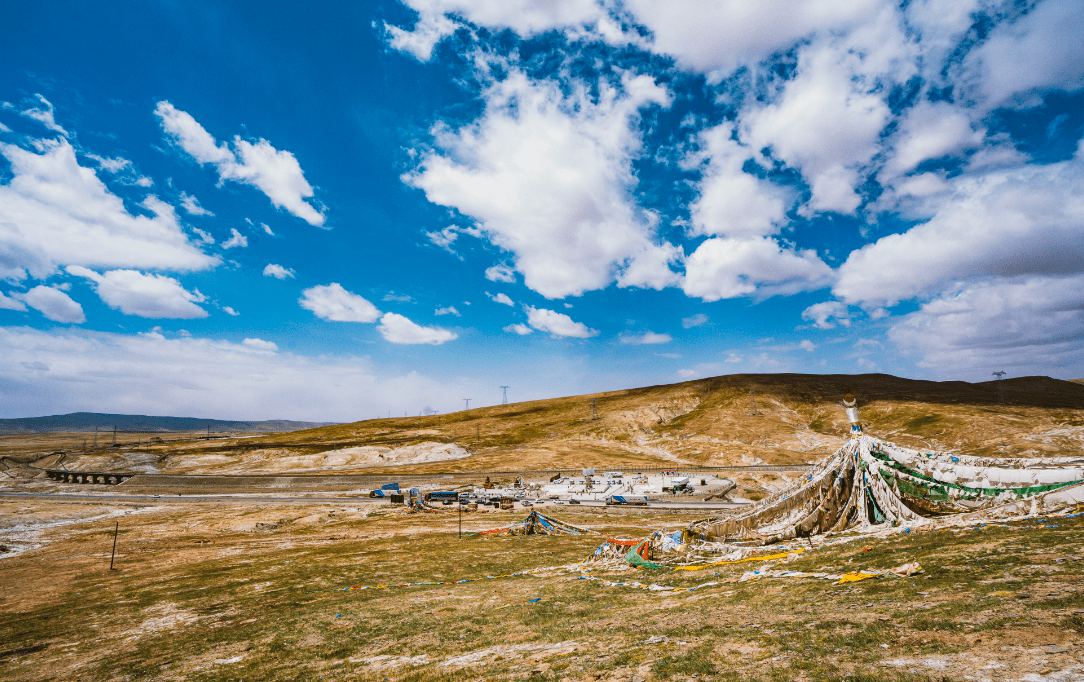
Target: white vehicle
[[627, 499]]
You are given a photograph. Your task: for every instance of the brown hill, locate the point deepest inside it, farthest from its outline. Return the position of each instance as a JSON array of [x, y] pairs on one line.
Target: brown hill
[[798, 419]]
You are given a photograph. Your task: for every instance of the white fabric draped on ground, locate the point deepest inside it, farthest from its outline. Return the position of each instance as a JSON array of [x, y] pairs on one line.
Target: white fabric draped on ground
[[871, 484]]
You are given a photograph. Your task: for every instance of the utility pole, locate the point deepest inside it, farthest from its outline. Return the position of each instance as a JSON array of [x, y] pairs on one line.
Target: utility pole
[[114, 435], [466, 403], [114, 556], [753, 398], [505, 400], [594, 414], [1000, 389]]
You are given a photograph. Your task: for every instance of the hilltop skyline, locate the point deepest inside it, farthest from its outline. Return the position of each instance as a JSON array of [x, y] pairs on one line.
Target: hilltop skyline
[[249, 213]]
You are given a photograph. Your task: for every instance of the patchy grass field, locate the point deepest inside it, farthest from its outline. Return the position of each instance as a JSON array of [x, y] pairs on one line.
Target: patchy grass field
[[203, 593]]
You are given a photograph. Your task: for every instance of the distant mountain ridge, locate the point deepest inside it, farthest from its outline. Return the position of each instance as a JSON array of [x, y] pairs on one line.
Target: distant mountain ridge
[[89, 421]]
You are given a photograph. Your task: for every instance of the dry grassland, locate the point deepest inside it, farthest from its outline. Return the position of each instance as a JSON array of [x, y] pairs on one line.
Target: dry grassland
[[254, 591], [204, 593]]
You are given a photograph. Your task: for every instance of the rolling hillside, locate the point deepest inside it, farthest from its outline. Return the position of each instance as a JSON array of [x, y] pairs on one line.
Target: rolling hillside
[[705, 422], [89, 421]]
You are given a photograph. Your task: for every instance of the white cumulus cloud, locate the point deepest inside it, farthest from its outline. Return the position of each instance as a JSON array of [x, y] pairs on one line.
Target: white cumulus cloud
[[501, 273], [54, 304], [548, 177], [8, 303], [54, 212], [444, 239], [450, 310], [827, 315], [715, 37], [430, 29], [518, 328], [729, 268], [333, 302], [1011, 223], [151, 296], [398, 329], [275, 173], [236, 240], [694, 320], [191, 205], [501, 298], [260, 344], [557, 324], [826, 122], [705, 37], [930, 130], [114, 165], [438, 19], [646, 339], [278, 272], [731, 201], [1040, 50]]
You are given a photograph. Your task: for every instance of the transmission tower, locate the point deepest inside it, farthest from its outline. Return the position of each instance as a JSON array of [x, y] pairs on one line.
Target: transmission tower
[[753, 399], [505, 400], [466, 403], [594, 414]]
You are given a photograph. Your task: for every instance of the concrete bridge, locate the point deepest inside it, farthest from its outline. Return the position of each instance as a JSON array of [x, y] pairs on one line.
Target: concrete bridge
[[95, 477]]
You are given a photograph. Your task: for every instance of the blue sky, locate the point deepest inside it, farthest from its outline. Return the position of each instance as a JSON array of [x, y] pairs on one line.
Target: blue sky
[[223, 210]]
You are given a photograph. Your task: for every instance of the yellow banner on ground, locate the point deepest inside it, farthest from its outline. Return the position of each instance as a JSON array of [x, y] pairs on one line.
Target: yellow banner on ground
[[855, 577], [740, 561]]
